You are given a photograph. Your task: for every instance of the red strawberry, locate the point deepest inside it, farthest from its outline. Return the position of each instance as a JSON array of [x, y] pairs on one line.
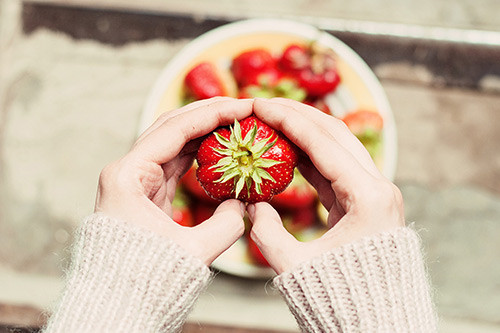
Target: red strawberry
[[298, 195], [314, 67], [362, 120], [295, 58], [255, 254], [202, 211], [203, 81], [180, 210], [249, 161], [367, 127], [298, 220], [193, 187], [248, 66]]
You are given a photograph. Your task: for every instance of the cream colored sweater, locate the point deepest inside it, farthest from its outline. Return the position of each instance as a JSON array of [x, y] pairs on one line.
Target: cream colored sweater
[[125, 279]]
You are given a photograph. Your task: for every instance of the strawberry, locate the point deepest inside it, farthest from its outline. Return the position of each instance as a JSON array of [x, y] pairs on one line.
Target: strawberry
[[255, 254], [298, 195], [314, 67], [361, 121], [193, 187], [249, 65], [203, 81], [180, 210], [300, 219], [249, 161], [202, 211], [283, 87], [367, 127]]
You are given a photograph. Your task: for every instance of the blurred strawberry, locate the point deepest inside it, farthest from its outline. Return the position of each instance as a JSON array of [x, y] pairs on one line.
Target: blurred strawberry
[[284, 87], [193, 187], [298, 195], [367, 127], [249, 65], [202, 211], [255, 253], [299, 220], [203, 81], [314, 67], [361, 121], [180, 210]]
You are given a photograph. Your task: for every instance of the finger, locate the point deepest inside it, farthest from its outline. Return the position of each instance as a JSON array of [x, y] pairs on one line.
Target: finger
[[166, 141], [321, 184], [221, 230], [172, 113], [336, 128], [277, 245], [331, 159]]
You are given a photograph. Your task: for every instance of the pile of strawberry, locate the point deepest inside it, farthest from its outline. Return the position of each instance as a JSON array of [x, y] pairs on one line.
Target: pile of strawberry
[[303, 72], [306, 73]]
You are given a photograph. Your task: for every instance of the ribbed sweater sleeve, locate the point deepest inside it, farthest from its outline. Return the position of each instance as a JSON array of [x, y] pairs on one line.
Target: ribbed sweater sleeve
[[126, 279], [377, 284]]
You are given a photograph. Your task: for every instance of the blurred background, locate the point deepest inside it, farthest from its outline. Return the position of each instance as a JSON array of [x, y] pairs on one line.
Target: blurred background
[[74, 77]]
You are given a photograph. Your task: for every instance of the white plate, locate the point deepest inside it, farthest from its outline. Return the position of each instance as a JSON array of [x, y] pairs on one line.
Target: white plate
[[359, 89]]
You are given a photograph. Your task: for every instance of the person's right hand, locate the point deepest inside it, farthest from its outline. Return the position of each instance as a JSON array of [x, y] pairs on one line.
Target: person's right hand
[[360, 200]]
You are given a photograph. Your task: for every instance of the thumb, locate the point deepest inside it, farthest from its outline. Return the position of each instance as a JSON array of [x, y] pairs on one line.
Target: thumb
[[274, 241], [221, 230]]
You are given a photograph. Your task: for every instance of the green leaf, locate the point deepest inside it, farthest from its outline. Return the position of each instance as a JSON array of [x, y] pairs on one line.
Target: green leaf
[[265, 175], [237, 131], [237, 154], [256, 177], [258, 189], [222, 162], [222, 140], [259, 148], [266, 163], [248, 182], [226, 168], [239, 186], [250, 137], [227, 152], [228, 175]]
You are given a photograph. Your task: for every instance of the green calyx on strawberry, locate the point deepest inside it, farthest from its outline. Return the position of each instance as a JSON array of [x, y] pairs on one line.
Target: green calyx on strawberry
[[249, 161], [284, 87], [367, 126]]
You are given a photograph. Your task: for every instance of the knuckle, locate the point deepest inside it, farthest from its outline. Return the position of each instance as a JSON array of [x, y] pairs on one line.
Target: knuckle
[[383, 194], [111, 174], [107, 172]]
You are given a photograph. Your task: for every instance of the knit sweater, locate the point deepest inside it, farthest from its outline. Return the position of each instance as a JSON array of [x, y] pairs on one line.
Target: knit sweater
[[126, 279], [377, 284]]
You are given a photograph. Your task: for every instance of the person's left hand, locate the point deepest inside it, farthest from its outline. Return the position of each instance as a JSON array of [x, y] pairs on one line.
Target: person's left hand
[[139, 188]]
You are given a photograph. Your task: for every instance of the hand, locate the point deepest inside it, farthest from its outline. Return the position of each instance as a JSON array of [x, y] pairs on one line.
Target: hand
[[360, 201], [139, 188]]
